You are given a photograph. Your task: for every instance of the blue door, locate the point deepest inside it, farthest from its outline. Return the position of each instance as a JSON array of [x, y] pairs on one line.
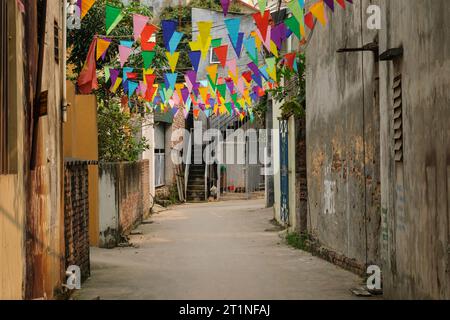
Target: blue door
[[284, 171]]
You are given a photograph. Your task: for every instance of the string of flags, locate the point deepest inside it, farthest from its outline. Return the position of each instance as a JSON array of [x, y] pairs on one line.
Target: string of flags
[[235, 93]]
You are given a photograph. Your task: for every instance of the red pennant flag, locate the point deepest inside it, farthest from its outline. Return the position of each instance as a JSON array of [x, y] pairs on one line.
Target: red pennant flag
[[309, 20], [247, 76], [196, 113], [132, 75], [87, 81], [289, 60], [341, 3], [262, 22], [146, 35], [222, 53]]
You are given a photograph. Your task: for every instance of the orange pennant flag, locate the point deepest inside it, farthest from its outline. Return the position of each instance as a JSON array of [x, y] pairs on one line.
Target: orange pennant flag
[[318, 11], [102, 46], [86, 5]]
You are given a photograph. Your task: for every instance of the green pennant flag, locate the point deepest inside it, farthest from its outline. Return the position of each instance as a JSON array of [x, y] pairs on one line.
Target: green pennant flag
[[294, 26], [212, 83], [229, 108], [148, 57], [262, 5], [107, 73], [234, 98], [222, 88], [216, 42], [113, 17]]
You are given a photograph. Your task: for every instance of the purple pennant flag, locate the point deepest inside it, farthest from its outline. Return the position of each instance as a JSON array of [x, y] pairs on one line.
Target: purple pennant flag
[[185, 94], [202, 106], [254, 97], [192, 76], [174, 111], [330, 4], [225, 6], [195, 88], [238, 46], [230, 85], [278, 34], [114, 74], [254, 68], [212, 101]]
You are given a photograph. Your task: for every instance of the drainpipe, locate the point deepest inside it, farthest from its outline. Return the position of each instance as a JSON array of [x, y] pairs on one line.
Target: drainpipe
[[64, 103], [36, 102]]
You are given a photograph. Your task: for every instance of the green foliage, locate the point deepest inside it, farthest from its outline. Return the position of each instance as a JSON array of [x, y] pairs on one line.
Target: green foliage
[[293, 93], [117, 132], [298, 240]]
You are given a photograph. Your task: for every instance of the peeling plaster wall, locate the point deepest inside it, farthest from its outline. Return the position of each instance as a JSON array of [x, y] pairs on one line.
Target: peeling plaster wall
[[343, 138]]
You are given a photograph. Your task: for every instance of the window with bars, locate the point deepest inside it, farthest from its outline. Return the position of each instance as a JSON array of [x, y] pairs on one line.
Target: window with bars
[[56, 41], [398, 118], [3, 87]]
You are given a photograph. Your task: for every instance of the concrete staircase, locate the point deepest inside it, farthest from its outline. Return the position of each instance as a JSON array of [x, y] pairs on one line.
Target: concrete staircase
[[195, 191]]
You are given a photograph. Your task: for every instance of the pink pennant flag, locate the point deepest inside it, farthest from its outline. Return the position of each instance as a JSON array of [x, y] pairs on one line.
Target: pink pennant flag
[[139, 23], [232, 66], [268, 38], [124, 54]]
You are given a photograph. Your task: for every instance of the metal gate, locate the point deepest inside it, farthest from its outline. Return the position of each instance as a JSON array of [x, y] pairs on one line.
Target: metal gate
[[284, 171]]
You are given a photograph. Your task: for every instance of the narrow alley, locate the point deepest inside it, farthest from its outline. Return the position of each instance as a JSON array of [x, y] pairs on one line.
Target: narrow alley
[[224, 250]]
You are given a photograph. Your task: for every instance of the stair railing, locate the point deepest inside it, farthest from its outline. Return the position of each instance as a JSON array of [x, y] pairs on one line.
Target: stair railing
[[206, 181], [187, 165]]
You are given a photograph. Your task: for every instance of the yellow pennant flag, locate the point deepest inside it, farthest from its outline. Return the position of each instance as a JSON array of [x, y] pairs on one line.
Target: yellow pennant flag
[[204, 28], [257, 40], [178, 88], [205, 47], [273, 48], [116, 85], [195, 45], [203, 93], [86, 5], [212, 71], [318, 11], [173, 60]]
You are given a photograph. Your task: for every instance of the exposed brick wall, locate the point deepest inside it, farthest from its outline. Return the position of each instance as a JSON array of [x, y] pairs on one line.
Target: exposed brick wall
[[145, 178], [76, 216], [134, 193]]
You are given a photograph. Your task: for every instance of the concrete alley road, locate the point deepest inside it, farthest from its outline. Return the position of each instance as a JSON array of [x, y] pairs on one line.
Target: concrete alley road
[[224, 250]]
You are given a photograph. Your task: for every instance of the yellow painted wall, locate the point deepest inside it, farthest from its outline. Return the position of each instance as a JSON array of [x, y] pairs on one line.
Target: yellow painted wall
[[81, 143]]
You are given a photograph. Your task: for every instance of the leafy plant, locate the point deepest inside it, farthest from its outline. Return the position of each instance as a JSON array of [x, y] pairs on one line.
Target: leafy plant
[[293, 91], [118, 133]]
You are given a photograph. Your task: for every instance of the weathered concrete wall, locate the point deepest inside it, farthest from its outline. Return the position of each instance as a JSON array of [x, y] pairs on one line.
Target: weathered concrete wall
[[124, 199], [108, 207], [415, 191], [343, 137]]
